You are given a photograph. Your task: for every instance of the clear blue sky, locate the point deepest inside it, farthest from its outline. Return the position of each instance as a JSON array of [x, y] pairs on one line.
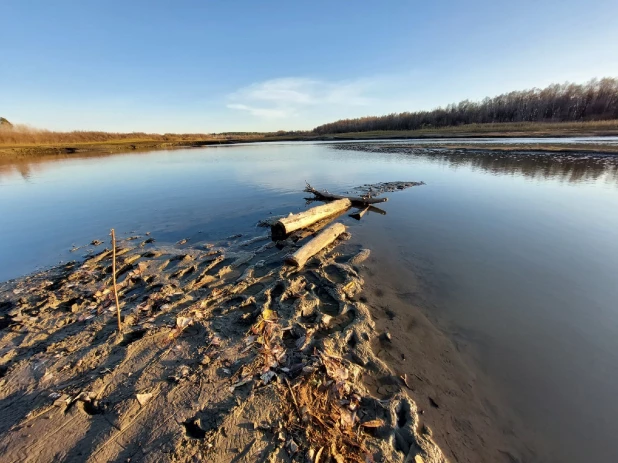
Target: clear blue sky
[[204, 66]]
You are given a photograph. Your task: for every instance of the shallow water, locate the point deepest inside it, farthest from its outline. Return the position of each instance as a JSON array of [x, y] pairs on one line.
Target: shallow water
[[522, 252]]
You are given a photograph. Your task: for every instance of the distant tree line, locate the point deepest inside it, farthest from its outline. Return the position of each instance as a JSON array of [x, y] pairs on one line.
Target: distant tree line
[[595, 100]]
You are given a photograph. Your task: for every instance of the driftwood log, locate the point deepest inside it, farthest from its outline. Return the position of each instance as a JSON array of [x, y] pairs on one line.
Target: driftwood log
[[323, 239], [360, 213], [293, 222], [315, 228], [356, 200]]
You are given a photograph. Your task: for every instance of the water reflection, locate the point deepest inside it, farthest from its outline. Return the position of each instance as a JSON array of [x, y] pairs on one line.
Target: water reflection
[[572, 168], [32, 166]]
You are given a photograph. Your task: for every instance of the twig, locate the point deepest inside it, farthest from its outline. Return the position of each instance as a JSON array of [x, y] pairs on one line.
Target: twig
[[293, 398], [114, 279]]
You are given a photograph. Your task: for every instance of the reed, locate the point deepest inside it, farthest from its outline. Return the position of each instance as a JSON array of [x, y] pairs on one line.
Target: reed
[[114, 279]]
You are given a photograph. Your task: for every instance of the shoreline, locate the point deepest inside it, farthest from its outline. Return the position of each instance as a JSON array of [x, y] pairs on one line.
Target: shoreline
[[400, 350], [471, 421], [218, 340], [483, 131], [24, 154], [420, 360], [392, 345]]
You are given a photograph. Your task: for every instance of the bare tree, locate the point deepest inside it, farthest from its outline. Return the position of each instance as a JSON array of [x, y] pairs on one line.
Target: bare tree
[[594, 100]]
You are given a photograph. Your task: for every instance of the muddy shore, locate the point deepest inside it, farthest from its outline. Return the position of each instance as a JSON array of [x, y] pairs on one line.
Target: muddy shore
[[70, 149], [219, 339]]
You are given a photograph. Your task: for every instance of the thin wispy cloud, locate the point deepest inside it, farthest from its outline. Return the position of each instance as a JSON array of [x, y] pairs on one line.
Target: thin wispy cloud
[[260, 112], [290, 96]]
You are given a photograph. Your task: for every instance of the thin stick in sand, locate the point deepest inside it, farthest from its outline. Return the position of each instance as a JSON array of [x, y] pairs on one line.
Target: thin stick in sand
[[114, 279]]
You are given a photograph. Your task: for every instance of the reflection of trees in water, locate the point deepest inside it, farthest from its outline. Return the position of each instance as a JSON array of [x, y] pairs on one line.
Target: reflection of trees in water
[[24, 168], [566, 168], [570, 168], [32, 165]]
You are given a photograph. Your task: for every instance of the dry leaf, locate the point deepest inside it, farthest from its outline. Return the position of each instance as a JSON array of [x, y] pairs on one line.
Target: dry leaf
[[292, 447], [372, 424], [143, 306], [143, 398], [267, 377], [62, 400], [240, 383], [346, 418], [183, 322]]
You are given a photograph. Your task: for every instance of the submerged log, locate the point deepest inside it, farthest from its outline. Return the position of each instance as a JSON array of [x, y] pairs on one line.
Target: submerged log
[[323, 239], [293, 222], [356, 200], [377, 210], [360, 213]]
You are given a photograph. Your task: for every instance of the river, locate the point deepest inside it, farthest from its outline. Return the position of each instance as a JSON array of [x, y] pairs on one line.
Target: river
[[519, 252]]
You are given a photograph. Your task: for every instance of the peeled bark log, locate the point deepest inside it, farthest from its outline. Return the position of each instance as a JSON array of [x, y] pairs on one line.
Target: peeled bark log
[[293, 222], [356, 200], [315, 228], [323, 239]]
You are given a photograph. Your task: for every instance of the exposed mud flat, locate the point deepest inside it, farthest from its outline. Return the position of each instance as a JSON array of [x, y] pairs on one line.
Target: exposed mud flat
[[471, 421], [574, 164], [226, 355]]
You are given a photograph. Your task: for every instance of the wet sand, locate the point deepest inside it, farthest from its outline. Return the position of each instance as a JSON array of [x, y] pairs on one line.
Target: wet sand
[[64, 367], [218, 341], [470, 420]]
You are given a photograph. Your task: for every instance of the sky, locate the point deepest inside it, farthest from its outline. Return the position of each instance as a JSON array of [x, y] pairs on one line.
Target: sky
[[205, 66]]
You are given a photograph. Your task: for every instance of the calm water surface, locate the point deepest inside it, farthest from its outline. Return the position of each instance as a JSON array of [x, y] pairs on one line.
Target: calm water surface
[[523, 251]]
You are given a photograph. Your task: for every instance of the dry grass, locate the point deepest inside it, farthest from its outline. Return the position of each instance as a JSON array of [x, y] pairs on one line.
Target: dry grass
[[317, 417], [505, 129], [24, 135], [20, 141]]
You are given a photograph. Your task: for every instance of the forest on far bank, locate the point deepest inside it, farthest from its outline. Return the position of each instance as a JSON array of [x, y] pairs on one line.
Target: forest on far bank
[[595, 100]]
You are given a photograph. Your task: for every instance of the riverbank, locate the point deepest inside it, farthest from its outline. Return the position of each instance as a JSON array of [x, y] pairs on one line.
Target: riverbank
[[39, 150], [496, 131], [240, 358], [233, 355], [501, 130], [198, 320]]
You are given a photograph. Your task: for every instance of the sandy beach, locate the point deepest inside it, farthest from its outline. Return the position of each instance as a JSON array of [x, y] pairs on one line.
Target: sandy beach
[[225, 354]]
